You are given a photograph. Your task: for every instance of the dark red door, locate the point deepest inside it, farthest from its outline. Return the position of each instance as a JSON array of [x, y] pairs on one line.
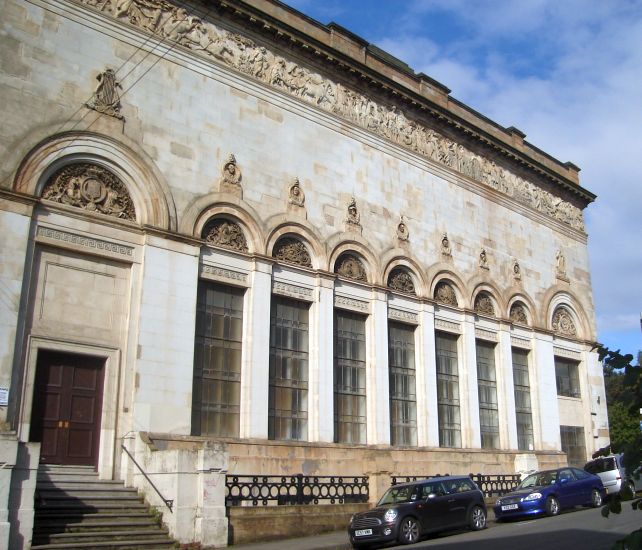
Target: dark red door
[[67, 404]]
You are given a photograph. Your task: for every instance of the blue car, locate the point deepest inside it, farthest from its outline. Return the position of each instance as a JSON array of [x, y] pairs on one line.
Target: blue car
[[549, 491]]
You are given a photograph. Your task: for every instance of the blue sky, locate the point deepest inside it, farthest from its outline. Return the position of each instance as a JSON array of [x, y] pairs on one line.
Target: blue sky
[[569, 75]]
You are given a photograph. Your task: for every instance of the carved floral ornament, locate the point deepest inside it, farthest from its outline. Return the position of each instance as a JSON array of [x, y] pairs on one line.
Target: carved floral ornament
[[484, 304], [563, 322], [518, 313], [225, 233], [169, 22], [90, 187], [445, 294], [351, 267], [401, 280], [292, 251]]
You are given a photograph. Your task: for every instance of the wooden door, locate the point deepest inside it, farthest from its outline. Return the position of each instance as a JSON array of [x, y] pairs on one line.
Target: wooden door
[[67, 407]]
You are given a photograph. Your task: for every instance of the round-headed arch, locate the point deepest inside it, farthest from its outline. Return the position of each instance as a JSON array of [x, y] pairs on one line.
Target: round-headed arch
[[346, 253], [145, 185], [566, 317], [447, 287], [288, 236]]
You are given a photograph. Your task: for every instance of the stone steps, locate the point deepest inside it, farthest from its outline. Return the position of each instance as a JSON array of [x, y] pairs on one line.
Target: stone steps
[[74, 509]]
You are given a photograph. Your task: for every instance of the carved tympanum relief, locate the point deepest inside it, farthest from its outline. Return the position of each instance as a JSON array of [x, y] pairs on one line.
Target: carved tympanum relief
[[445, 294], [92, 188], [167, 21], [351, 267], [484, 304], [563, 322], [293, 251], [225, 233], [518, 313], [106, 99], [399, 279]]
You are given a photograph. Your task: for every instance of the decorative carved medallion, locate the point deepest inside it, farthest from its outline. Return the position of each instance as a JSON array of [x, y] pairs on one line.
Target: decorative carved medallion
[[445, 294], [560, 265], [484, 304], [231, 173], [92, 188], [445, 245], [106, 99], [225, 233], [399, 279], [350, 267], [518, 313], [204, 38], [402, 230], [483, 259], [292, 251], [517, 270], [296, 196], [563, 322], [353, 217]]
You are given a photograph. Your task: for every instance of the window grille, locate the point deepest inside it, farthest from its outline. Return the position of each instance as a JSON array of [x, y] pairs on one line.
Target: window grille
[[523, 414], [448, 390], [403, 393]]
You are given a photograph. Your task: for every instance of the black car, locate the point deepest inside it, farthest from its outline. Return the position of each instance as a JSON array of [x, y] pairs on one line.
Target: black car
[[409, 510]]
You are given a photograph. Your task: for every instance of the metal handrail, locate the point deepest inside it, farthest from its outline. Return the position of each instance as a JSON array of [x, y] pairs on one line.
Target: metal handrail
[[168, 502]]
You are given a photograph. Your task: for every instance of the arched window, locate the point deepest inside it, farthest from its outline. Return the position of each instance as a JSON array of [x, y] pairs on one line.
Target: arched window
[[518, 313], [563, 322]]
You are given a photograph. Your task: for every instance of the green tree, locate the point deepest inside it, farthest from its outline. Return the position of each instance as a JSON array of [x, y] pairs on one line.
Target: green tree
[[628, 390]]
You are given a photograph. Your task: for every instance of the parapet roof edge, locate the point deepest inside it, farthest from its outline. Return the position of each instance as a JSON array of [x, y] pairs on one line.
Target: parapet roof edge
[[437, 99]]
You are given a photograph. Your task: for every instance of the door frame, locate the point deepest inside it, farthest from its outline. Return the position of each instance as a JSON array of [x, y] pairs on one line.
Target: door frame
[[108, 416]]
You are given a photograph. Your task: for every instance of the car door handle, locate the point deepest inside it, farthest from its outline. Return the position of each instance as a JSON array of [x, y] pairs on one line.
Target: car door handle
[[451, 500]]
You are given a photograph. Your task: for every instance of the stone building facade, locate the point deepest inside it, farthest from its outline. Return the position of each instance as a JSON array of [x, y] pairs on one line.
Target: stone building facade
[[229, 229]]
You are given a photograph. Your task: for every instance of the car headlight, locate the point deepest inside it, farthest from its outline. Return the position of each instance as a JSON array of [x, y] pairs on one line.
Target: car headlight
[[390, 516], [533, 496]]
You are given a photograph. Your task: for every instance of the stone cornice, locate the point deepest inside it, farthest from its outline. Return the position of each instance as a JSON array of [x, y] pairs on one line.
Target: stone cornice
[[343, 50], [238, 38]]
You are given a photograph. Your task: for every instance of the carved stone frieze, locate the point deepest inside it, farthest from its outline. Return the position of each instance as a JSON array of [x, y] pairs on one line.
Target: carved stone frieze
[[520, 342], [106, 99], [173, 23], [351, 303], [484, 304], [293, 251], [91, 188], [445, 294], [518, 313], [293, 291], [351, 267], [225, 233], [563, 323], [399, 279], [484, 334], [568, 353], [222, 273], [90, 243], [404, 316], [442, 324]]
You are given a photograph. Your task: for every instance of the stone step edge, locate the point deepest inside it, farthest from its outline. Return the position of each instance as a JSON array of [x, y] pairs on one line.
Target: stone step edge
[[113, 544]]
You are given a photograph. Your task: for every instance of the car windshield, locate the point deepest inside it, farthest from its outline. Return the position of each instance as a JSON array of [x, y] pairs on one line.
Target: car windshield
[[538, 480], [395, 495]]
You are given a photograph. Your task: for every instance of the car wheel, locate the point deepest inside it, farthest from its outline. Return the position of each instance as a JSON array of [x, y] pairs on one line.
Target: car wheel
[[552, 506], [408, 531], [596, 498], [476, 518]]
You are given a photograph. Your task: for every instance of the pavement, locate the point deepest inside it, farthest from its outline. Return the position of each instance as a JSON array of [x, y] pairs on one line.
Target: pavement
[[336, 540]]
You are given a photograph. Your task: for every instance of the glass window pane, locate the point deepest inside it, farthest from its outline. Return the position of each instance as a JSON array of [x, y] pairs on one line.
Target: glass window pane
[[402, 384], [217, 360], [447, 390]]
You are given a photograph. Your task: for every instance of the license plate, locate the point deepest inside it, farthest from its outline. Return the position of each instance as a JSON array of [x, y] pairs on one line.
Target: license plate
[[510, 507], [362, 532]]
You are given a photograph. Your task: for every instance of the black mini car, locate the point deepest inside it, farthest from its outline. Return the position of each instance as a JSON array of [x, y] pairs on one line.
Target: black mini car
[[410, 510]]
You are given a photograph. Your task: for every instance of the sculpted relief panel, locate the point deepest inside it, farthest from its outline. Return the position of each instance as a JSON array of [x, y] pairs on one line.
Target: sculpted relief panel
[[242, 54], [92, 188]]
